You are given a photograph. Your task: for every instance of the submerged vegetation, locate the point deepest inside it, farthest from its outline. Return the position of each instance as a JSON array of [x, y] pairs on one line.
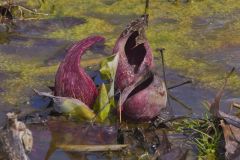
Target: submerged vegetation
[[205, 134]]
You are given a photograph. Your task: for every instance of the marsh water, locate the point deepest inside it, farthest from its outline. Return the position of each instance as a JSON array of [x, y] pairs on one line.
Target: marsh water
[[201, 38]]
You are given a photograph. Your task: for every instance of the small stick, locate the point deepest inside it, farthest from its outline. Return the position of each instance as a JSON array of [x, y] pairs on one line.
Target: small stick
[[29, 10], [179, 102], [178, 85], [120, 112], [163, 64], [146, 12], [30, 19], [236, 105], [164, 76], [92, 148], [146, 7]]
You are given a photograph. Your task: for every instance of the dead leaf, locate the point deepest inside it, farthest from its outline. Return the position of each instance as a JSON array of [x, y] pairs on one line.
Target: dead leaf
[[70, 106], [215, 106], [232, 139], [233, 120], [166, 152]]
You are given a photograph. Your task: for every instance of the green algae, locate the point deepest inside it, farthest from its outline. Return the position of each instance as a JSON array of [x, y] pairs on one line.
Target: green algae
[[27, 76], [93, 26], [3, 38], [171, 25]]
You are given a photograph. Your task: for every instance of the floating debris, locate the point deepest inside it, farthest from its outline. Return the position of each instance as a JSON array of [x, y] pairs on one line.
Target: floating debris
[[15, 139]]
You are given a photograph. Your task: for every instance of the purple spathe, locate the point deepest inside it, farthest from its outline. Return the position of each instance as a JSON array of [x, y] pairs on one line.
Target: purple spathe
[[71, 80]]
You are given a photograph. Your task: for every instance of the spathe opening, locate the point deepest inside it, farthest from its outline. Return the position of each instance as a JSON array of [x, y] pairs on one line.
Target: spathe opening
[[142, 85], [5, 12], [135, 54]]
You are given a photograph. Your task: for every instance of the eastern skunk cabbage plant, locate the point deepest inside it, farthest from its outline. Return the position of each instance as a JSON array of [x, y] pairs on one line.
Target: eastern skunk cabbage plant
[[141, 98], [71, 79], [143, 94], [144, 99], [134, 52]]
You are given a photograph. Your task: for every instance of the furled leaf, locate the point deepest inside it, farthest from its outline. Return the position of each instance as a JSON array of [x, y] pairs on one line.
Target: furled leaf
[[215, 105], [108, 71], [144, 99], [70, 106], [125, 93], [105, 70], [102, 105]]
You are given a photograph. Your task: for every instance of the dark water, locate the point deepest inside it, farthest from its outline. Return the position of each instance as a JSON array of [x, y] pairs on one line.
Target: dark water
[[47, 138]]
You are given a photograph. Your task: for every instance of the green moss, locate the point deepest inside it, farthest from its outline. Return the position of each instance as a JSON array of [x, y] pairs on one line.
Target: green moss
[[173, 26], [92, 26], [27, 73]]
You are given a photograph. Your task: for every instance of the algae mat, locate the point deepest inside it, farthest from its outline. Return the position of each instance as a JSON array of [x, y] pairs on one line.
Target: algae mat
[[201, 38]]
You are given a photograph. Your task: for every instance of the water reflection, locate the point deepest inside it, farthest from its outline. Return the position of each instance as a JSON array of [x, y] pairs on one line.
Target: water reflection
[[47, 138], [4, 36]]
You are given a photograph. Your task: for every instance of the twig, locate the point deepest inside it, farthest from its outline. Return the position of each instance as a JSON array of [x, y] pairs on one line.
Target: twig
[[180, 102], [164, 76], [146, 7], [29, 10], [181, 84], [92, 148], [120, 111], [163, 64], [30, 19], [236, 105], [146, 11]]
